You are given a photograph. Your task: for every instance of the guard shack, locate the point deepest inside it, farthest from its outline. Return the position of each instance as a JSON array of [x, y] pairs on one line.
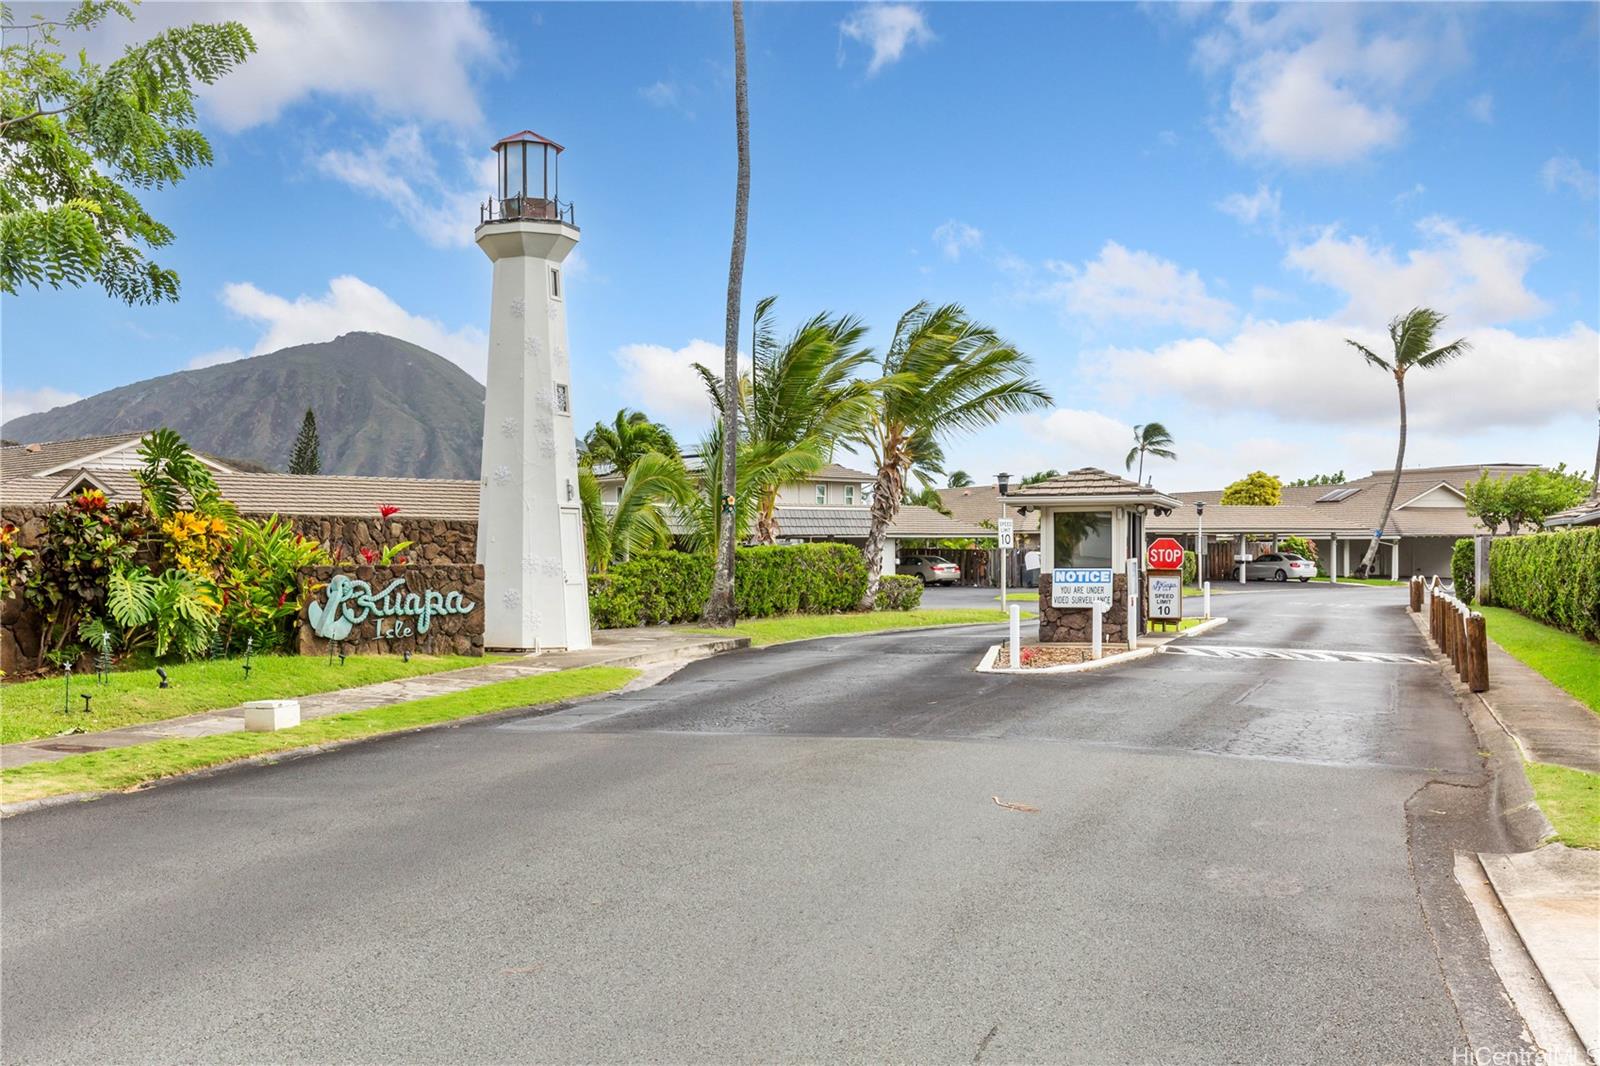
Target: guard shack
[[1089, 520]]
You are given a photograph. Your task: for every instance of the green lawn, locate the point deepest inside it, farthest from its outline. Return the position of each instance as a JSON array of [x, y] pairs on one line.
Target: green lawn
[[1183, 623], [764, 631], [30, 709], [1569, 661], [122, 768], [1571, 800], [1022, 597]]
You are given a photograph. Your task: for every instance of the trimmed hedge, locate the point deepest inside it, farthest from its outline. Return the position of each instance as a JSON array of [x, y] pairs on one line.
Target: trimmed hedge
[[1191, 569], [897, 592], [1550, 577], [660, 588], [1463, 570]]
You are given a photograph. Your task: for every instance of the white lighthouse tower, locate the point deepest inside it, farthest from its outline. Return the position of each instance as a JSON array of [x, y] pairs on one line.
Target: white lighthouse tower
[[530, 533]]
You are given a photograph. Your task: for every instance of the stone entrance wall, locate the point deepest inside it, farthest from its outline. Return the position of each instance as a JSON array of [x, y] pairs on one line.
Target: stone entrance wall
[[1075, 625], [394, 624]]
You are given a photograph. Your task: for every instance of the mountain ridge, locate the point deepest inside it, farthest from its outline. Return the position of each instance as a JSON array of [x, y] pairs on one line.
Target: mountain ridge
[[385, 408]]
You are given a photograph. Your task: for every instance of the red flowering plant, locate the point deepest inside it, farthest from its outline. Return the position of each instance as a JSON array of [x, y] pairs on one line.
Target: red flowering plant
[[390, 555], [1028, 655]]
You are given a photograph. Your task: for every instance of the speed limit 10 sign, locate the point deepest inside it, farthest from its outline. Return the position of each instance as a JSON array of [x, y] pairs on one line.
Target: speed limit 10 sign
[[1164, 554]]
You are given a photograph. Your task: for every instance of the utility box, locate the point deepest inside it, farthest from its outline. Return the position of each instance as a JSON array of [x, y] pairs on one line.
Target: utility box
[[265, 716]]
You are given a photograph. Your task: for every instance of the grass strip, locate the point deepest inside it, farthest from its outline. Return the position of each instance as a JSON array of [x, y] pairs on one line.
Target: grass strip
[[1571, 800], [1378, 582], [765, 631], [30, 709], [123, 768], [1565, 659]]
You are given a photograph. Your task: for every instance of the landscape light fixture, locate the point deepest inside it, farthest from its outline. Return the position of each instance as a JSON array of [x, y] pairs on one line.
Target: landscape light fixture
[[249, 647], [1004, 481], [162, 674], [66, 696], [87, 696], [405, 656]]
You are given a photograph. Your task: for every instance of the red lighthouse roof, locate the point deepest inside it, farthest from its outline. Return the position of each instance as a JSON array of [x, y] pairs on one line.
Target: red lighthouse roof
[[526, 136]]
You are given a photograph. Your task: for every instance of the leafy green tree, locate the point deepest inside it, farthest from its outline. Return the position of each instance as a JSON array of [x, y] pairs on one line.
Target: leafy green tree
[[78, 138], [1319, 479], [942, 374], [720, 604], [307, 455], [1151, 438], [1256, 489], [1525, 499], [1306, 549], [616, 446], [802, 393], [959, 479], [1411, 336]]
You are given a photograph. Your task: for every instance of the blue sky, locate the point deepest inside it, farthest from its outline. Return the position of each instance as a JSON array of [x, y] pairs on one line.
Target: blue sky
[[1179, 211]]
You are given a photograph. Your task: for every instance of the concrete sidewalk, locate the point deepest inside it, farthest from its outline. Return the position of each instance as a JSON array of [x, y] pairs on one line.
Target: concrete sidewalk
[[1549, 725], [639, 648]]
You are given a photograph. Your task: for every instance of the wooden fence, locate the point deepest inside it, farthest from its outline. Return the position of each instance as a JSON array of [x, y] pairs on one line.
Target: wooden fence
[[1456, 629]]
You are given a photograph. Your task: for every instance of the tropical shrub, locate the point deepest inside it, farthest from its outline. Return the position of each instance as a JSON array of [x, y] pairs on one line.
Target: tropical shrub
[[1463, 570], [173, 612], [258, 583], [897, 592], [13, 557], [1300, 546], [1191, 569], [1551, 577], [65, 579], [195, 542], [657, 588], [171, 472]]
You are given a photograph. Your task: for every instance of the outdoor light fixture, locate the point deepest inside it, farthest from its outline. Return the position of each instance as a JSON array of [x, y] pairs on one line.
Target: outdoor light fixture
[[1004, 481], [1199, 507], [405, 656], [66, 696], [162, 674], [86, 698]]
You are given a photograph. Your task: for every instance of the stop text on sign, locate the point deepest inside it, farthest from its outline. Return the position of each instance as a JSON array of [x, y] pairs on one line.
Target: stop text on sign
[[1164, 554]]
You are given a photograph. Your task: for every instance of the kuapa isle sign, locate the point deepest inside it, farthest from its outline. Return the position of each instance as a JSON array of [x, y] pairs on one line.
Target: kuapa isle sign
[[396, 611]]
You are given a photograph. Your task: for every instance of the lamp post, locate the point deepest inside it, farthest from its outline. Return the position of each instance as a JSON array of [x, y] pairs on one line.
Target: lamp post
[[1200, 540], [1003, 480]]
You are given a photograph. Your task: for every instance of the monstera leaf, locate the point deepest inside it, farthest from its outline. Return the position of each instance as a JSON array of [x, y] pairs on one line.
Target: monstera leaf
[[328, 621]]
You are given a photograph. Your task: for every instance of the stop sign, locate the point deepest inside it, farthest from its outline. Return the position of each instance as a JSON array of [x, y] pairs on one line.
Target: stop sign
[[1164, 554]]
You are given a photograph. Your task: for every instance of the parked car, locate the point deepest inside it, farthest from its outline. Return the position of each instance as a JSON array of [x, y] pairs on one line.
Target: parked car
[[1279, 566], [932, 569]]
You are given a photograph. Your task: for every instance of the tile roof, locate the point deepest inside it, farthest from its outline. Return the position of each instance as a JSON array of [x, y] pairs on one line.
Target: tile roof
[[835, 472], [1089, 482], [977, 504], [26, 460]]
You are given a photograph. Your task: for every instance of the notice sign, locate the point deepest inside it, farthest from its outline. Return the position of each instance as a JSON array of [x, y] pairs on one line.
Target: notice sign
[[1080, 587], [1166, 597]]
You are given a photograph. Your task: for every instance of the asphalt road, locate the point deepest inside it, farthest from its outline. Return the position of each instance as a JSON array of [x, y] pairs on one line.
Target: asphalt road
[[795, 854]]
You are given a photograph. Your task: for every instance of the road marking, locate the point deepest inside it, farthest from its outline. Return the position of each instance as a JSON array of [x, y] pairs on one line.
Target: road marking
[[1300, 655]]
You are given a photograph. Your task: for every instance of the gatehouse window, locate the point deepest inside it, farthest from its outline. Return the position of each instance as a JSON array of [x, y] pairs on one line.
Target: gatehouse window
[[1083, 538]]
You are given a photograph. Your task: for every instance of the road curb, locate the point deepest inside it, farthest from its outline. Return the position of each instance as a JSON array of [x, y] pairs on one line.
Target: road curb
[[653, 670], [987, 664]]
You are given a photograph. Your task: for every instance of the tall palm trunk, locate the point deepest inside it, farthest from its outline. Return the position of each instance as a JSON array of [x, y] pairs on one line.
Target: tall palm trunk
[[1394, 482], [767, 517], [1141, 466], [886, 492], [719, 608]]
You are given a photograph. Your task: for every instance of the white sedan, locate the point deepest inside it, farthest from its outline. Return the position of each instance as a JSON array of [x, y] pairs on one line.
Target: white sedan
[[1279, 566]]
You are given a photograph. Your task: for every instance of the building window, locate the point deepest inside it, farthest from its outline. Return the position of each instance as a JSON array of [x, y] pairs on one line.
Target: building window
[[849, 495], [555, 282], [822, 495], [563, 402], [1083, 538]]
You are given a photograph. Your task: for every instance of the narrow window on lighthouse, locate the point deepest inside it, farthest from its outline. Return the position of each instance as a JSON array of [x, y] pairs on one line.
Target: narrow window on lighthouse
[[555, 283], [561, 399]]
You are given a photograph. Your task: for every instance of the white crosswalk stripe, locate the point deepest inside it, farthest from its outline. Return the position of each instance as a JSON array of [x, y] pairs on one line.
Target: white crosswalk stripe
[[1304, 655]]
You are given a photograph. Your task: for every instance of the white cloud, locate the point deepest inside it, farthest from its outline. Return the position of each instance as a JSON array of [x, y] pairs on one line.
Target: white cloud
[[1264, 205], [1563, 170], [887, 29], [663, 382], [349, 305], [954, 237], [668, 95], [14, 403], [1481, 107], [401, 173], [1124, 284], [1304, 372], [1474, 277], [1310, 84], [1085, 438]]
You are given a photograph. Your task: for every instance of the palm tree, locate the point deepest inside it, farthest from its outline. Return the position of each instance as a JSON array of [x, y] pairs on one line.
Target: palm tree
[[719, 608], [929, 497], [942, 374], [701, 515], [637, 522], [1041, 475], [617, 446], [801, 392], [1412, 337], [959, 479], [1151, 438]]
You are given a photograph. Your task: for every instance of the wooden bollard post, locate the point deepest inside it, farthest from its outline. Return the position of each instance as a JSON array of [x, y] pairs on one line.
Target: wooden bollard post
[[1416, 594], [1463, 653], [1478, 641]]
